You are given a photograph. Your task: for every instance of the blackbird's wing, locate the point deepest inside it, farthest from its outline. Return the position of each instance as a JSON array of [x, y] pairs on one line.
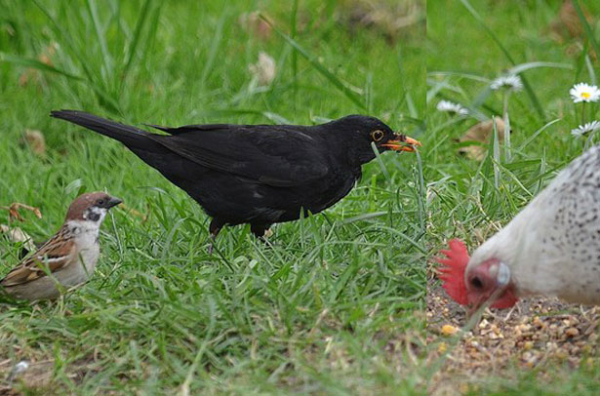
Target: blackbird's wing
[[202, 127], [53, 256], [274, 155]]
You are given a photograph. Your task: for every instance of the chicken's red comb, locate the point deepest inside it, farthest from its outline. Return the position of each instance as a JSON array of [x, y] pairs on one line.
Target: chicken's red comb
[[452, 271]]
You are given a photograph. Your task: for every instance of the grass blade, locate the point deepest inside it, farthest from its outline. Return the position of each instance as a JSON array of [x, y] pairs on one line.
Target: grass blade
[[490, 32], [536, 133], [590, 68], [33, 63], [104, 98], [534, 65], [216, 44], [406, 96], [422, 194], [380, 162], [293, 33], [136, 39], [341, 86], [587, 28], [66, 38], [496, 157], [469, 76], [106, 57]]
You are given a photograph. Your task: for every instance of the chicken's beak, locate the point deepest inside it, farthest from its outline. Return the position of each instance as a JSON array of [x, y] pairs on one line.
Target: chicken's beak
[[402, 143], [502, 275]]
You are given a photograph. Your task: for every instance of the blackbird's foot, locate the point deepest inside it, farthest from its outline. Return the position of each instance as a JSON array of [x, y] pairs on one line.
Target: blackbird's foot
[[214, 228], [261, 231]]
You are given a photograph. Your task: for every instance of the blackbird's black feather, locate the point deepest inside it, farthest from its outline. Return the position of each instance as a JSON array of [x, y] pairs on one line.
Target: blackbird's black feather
[[257, 174]]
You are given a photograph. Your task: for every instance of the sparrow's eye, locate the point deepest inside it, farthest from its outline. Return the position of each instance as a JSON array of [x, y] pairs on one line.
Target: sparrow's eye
[[377, 135], [101, 202]]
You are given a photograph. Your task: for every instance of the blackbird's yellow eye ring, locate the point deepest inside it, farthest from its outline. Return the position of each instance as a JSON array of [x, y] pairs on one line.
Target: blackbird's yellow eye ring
[[377, 135]]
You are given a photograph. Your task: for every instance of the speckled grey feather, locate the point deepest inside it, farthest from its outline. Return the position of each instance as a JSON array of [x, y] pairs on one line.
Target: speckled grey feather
[[553, 245]]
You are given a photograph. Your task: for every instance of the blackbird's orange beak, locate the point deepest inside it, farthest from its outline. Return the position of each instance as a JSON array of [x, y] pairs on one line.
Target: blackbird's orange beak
[[402, 143]]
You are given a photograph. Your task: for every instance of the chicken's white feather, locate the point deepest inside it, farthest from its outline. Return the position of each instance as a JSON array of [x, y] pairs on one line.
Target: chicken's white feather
[[553, 245]]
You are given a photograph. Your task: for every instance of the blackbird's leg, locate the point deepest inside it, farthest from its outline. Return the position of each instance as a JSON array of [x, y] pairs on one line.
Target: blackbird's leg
[[214, 228], [260, 230]]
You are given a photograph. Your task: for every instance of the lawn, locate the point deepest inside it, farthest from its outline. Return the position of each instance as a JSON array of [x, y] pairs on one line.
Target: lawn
[[469, 44], [332, 304]]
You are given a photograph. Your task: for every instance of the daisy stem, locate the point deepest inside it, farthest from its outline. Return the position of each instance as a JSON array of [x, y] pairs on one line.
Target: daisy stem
[[589, 141], [506, 128], [583, 114], [496, 154]]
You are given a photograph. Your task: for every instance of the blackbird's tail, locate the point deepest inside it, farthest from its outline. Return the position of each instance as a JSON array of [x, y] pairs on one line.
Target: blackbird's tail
[[132, 137]]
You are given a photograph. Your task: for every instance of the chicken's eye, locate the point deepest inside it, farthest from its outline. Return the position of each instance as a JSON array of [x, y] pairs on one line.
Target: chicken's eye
[[477, 283], [377, 135]]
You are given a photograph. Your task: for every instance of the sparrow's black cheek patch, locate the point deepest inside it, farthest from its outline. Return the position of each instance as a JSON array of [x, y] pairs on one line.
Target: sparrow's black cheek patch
[[93, 216]]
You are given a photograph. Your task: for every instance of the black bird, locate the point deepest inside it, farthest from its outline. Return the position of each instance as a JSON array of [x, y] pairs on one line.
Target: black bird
[[256, 174]]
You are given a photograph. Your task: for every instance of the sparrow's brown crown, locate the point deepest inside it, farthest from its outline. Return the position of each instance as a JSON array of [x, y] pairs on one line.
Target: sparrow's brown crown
[[86, 201]]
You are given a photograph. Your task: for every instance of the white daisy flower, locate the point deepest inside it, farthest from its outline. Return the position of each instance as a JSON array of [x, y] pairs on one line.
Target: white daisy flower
[[511, 83], [453, 108], [583, 92], [584, 129]]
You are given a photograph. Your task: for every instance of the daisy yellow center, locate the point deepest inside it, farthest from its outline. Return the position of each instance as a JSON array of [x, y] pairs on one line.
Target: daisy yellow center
[[585, 95]]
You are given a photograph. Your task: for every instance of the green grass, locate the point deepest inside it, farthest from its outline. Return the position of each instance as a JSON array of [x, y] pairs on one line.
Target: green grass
[[327, 307], [333, 304], [462, 52]]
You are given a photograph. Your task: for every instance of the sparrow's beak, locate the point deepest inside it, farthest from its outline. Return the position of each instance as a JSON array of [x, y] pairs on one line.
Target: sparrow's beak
[[402, 143], [112, 202]]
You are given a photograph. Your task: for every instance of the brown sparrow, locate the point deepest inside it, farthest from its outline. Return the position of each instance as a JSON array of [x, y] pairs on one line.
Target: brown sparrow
[[68, 258]]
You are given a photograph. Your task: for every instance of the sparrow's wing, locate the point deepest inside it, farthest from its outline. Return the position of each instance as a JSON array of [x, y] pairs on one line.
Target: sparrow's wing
[[281, 156], [53, 256]]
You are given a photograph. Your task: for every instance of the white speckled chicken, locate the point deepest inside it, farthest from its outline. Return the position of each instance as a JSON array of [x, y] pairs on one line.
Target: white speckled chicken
[[551, 248]]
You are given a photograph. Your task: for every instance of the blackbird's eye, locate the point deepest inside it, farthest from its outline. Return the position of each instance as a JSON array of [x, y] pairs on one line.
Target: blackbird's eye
[[377, 135]]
